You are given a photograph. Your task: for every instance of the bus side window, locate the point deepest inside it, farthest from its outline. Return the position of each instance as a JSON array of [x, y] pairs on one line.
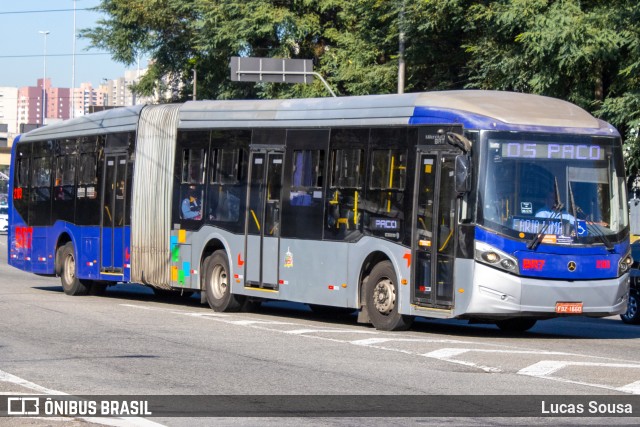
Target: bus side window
[[41, 179], [345, 193], [385, 195], [22, 176], [224, 191], [65, 177], [192, 183], [308, 166]]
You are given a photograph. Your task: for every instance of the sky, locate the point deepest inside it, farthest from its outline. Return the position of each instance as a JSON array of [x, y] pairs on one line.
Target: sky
[[22, 59]]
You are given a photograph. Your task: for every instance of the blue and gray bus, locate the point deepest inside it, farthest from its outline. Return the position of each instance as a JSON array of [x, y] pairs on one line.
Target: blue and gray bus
[[496, 207]]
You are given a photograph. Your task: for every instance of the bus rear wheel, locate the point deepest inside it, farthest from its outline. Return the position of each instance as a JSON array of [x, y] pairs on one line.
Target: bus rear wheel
[[70, 282], [381, 296], [217, 283], [516, 325]]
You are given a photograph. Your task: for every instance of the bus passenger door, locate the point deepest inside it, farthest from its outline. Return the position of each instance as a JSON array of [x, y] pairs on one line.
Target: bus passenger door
[[263, 219], [434, 231], [113, 213]]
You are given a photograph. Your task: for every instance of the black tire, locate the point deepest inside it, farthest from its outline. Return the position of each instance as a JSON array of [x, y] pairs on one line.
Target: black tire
[[217, 283], [516, 325], [381, 290], [632, 315], [70, 282]]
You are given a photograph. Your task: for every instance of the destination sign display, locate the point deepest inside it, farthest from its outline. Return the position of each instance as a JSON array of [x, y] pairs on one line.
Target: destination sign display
[[533, 150]]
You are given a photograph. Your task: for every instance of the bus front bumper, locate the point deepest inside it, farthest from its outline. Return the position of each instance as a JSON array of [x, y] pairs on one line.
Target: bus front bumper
[[497, 294]]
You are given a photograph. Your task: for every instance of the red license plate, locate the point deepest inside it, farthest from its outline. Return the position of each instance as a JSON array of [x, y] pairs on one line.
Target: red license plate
[[569, 307]]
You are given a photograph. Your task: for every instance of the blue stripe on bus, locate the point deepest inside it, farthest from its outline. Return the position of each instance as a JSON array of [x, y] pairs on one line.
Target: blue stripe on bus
[[472, 121], [552, 261]]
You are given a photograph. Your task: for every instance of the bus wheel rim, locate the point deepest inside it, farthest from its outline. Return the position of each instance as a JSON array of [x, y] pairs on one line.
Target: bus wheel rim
[[70, 268], [632, 309], [384, 296], [219, 282]]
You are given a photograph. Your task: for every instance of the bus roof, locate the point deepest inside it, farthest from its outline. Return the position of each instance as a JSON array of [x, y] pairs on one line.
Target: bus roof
[[475, 109], [123, 119]]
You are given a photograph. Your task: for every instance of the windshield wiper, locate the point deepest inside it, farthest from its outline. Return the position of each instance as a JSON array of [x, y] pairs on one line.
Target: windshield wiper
[[592, 228], [556, 212]]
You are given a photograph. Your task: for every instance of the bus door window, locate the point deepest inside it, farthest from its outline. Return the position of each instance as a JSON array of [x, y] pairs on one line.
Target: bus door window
[[113, 214], [87, 206], [263, 219], [424, 227], [344, 197], [446, 228], [265, 197], [435, 230], [274, 195]]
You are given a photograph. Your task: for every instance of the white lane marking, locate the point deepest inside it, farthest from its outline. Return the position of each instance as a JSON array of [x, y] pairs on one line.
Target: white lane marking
[[312, 331], [447, 353], [142, 307], [116, 422], [544, 369], [548, 367], [197, 314], [9, 378], [375, 341], [258, 322], [633, 388]]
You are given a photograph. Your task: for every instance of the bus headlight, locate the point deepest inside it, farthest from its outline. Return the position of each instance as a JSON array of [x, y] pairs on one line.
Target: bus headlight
[[625, 264], [487, 254]]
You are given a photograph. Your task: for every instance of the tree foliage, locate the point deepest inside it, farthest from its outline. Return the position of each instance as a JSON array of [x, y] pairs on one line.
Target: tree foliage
[[584, 51]]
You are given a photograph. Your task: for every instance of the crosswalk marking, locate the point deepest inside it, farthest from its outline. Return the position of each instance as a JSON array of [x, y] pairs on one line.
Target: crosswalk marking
[[543, 369], [548, 367]]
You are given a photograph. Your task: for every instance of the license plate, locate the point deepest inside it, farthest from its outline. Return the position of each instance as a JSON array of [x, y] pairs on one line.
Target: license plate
[[569, 307]]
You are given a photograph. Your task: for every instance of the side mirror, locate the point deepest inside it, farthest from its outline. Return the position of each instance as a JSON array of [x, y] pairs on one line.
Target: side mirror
[[463, 174]]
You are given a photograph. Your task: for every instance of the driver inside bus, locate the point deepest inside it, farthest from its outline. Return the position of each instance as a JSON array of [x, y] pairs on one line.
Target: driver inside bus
[[191, 207], [550, 209]]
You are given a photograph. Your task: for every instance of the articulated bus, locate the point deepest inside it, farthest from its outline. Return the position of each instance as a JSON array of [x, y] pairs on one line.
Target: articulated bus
[[495, 207]]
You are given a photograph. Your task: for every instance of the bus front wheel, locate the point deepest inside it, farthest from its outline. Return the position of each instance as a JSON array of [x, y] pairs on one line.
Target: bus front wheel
[[217, 283], [70, 282], [381, 294], [632, 315]]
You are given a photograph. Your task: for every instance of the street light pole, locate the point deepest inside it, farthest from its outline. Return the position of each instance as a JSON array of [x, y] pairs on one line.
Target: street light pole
[[401, 64], [195, 83], [73, 65], [44, 76]]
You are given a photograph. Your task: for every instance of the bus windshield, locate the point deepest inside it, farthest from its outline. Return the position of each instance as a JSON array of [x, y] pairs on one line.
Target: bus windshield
[[571, 189]]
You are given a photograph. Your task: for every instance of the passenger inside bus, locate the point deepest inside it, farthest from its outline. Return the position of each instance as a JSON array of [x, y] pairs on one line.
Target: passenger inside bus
[[191, 207]]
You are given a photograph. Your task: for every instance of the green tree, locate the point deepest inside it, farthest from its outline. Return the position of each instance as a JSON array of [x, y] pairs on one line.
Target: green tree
[[586, 52]]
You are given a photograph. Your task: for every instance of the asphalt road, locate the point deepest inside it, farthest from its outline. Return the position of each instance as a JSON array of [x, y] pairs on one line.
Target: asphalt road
[[130, 342]]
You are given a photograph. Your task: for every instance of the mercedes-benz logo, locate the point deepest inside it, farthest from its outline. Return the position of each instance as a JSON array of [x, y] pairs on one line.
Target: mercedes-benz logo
[[571, 266]]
